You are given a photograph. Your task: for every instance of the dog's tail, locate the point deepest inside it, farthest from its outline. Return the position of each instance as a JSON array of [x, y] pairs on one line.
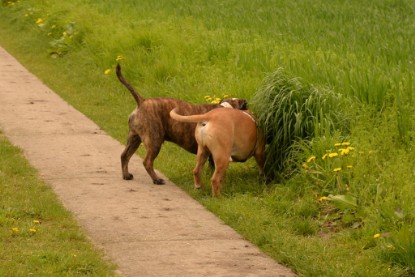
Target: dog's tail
[[188, 118], [136, 96]]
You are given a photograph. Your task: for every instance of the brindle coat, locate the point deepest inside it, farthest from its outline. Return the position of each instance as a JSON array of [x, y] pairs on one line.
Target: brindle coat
[[151, 124]]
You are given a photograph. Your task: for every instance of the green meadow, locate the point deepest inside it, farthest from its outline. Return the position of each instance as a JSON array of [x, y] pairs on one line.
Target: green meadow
[[340, 74]]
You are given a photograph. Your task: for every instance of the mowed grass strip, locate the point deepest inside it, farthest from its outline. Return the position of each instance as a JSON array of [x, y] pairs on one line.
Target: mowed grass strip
[[38, 236]]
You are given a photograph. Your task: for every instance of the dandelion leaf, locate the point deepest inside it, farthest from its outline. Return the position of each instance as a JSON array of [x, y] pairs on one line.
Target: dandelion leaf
[[344, 202]]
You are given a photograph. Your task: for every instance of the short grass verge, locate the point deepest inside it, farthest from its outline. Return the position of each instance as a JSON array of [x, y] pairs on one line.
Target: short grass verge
[[38, 236]]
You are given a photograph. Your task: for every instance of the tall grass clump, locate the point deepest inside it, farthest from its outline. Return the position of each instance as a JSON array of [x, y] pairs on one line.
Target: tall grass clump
[[289, 110]]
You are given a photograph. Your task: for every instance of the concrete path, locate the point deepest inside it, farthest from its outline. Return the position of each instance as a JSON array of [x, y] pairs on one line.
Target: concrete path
[[147, 230]]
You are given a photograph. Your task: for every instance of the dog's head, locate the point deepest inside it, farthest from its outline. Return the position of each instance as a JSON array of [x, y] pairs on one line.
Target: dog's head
[[236, 103]]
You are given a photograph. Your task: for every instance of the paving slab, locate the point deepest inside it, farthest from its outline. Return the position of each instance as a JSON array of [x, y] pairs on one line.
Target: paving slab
[[147, 230]]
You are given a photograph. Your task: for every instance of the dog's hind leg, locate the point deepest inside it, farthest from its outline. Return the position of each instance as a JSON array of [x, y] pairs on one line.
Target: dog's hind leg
[[221, 164], [153, 150], [133, 143], [202, 156]]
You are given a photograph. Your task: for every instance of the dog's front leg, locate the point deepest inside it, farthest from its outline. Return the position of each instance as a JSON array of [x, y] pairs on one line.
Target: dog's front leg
[[202, 156], [260, 155], [260, 160]]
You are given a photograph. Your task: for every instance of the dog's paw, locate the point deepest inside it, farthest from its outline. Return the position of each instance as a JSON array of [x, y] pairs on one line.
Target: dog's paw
[[159, 181], [128, 177]]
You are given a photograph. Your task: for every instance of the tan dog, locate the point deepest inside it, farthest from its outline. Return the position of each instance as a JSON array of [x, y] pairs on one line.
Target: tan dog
[[228, 135], [151, 124]]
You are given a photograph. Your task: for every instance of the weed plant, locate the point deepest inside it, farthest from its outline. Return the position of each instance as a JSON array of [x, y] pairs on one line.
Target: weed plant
[[321, 221], [289, 111]]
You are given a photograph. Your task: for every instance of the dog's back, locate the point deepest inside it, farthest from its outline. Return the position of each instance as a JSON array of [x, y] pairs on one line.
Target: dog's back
[[230, 130], [156, 111]]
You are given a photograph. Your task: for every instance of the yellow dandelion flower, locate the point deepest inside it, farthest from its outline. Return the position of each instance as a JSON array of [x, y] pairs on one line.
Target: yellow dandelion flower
[[350, 148], [305, 166], [65, 34], [346, 143], [119, 58], [32, 230], [107, 71], [323, 198], [15, 229], [74, 255], [349, 166], [376, 236], [39, 21], [325, 156], [312, 158], [332, 155], [36, 221], [337, 169], [337, 144], [344, 151]]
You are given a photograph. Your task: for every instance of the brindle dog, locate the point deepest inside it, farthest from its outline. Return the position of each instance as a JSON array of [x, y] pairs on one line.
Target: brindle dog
[[151, 124]]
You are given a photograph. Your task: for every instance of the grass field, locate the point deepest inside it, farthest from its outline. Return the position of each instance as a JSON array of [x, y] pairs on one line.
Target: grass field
[[349, 214]]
